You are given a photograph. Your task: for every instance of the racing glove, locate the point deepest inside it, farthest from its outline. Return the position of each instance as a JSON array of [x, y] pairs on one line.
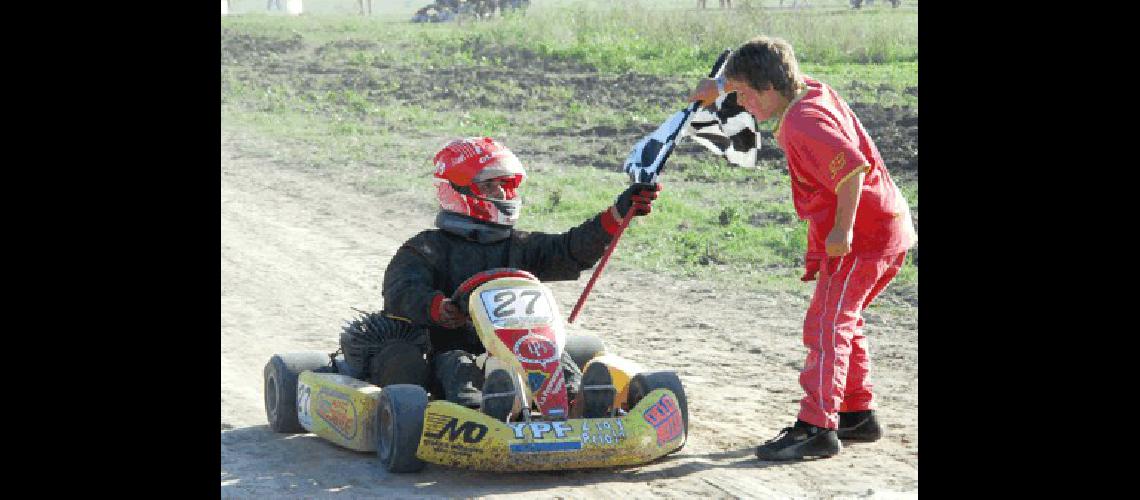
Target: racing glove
[[638, 195], [445, 313]]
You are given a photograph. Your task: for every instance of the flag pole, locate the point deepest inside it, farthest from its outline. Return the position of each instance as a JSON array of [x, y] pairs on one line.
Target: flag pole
[[601, 264], [629, 213]]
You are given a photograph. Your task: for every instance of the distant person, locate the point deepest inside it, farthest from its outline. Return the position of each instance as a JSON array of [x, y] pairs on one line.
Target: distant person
[[859, 231], [274, 5], [477, 182], [856, 4]]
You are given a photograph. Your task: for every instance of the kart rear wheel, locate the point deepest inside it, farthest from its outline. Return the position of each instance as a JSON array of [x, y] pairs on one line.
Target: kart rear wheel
[[280, 375], [583, 348], [645, 382], [400, 421]]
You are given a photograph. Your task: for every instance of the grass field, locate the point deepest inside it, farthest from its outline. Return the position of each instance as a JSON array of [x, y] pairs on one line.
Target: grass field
[[570, 87]]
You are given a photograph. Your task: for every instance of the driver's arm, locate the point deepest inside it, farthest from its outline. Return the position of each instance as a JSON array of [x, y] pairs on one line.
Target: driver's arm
[[553, 257], [556, 257], [410, 290]]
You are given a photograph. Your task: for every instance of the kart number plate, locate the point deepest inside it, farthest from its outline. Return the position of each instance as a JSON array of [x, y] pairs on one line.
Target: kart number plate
[[516, 304], [304, 395]]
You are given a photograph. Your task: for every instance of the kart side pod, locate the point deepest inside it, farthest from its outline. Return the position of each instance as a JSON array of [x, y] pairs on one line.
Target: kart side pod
[[338, 408]]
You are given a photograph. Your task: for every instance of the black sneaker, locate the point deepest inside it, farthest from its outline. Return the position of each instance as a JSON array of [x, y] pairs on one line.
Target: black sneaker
[[800, 441], [859, 426]]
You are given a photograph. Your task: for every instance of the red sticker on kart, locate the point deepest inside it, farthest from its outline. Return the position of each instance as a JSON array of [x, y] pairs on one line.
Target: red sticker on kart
[[536, 349], [665, 416]]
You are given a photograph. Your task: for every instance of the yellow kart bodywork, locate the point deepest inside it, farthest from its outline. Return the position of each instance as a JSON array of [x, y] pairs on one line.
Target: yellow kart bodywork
[[519, 323], [461, 437], [338, 408]]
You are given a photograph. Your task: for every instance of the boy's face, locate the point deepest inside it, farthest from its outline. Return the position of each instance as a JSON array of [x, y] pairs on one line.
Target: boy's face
[[762, 104]]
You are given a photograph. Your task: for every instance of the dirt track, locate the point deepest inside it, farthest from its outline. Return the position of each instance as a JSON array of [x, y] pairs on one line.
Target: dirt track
[[298, 250]]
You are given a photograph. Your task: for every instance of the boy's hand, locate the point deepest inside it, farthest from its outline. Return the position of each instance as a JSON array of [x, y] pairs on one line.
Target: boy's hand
[[838, 241], [706, 92]]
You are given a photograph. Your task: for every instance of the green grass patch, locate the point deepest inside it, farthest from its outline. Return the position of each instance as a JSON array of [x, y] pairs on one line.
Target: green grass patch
[[636, 36], [320, 89]]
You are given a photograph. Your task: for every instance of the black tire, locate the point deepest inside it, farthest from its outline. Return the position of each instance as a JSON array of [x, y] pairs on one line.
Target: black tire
[[400, 422], [583, 348], [645, 382], [280, 387]]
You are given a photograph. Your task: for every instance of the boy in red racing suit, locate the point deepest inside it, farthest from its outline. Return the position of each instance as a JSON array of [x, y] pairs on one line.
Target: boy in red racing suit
[[859, 230], [421, 337]]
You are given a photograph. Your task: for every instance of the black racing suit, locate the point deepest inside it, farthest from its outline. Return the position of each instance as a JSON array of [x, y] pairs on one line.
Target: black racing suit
[[436, 262]]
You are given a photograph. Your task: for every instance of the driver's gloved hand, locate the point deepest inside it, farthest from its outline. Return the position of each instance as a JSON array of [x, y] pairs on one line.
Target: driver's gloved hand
[[638, 195], [445, 313]]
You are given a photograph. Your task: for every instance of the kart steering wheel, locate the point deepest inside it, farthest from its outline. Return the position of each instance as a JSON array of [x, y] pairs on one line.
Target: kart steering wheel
[[461, 295]]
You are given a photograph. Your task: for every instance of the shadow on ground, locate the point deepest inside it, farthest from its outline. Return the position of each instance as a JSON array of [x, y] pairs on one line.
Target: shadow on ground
[[258, 461]]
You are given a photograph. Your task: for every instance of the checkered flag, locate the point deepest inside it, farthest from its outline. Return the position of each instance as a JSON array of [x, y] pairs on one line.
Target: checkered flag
[[727, 130], [649, 154], [648, 157]]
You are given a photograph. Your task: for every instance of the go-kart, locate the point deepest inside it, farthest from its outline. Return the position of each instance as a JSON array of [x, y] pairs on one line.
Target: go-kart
[[622, 414]]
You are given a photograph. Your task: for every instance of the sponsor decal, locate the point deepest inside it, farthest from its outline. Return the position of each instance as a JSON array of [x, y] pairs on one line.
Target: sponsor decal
[[535, 379], [665, 416], [550, 391], [337, 410], [605, 432], [446, 434], [546, 447], [549, 436], [541, 430], [535, 349], [837, 164], [470, 432]]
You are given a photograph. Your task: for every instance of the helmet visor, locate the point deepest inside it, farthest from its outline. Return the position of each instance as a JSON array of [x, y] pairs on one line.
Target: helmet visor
[[503, 164], [489, 189]]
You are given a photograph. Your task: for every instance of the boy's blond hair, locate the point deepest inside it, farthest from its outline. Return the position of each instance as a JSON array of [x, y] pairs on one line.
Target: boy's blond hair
[[766, 62]]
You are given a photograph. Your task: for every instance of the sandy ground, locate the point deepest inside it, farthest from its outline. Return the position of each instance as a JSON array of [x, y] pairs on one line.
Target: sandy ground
[[299, 249]]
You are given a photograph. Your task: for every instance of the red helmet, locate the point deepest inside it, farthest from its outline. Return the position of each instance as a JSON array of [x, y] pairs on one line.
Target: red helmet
[[464, 162]]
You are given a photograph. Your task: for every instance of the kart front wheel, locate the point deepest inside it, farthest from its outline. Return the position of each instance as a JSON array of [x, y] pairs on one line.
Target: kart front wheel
[[400, 421], [645, 382], [280, 376]]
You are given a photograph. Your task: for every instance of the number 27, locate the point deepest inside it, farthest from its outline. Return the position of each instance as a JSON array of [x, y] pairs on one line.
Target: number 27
[[506, 298]]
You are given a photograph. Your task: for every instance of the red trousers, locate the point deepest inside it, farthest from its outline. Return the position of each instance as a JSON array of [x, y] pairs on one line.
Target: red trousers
[[834, 377]]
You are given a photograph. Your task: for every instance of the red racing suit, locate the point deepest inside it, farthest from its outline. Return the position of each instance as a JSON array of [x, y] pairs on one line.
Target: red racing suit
[[825, 144]]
